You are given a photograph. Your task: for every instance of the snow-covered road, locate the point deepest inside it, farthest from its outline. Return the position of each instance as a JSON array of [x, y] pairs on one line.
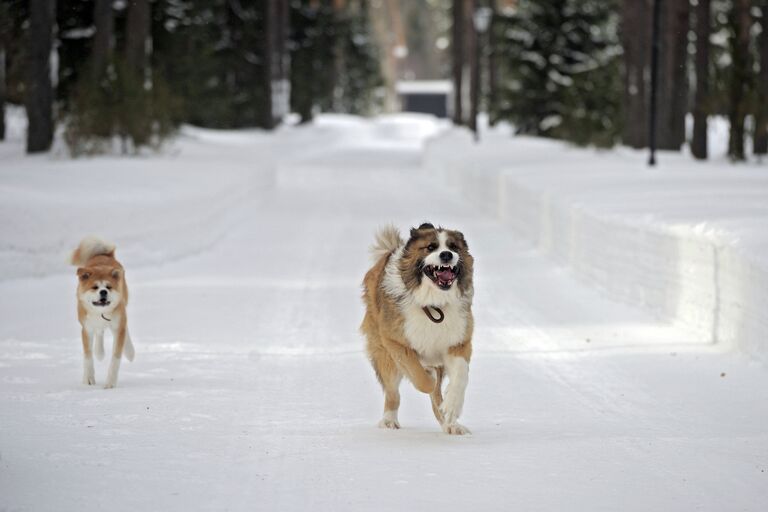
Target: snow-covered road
[[250, 390]]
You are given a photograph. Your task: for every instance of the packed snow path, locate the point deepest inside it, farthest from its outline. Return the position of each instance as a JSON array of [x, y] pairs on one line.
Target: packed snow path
[[250, 390]]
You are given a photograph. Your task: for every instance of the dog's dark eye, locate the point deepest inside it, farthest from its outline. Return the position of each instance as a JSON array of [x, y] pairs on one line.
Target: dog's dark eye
[[94, 287], [453, 247], [109, 287], [431, 247]]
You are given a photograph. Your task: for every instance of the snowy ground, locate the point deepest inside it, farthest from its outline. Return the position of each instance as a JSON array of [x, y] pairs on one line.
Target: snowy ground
[[250, 391]]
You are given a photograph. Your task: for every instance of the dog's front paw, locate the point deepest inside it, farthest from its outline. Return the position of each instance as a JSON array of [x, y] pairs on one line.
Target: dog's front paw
[[110, 383], [451, 408], [89, 374], [455, 429], [389, 420], [114, 367], [389, 423]]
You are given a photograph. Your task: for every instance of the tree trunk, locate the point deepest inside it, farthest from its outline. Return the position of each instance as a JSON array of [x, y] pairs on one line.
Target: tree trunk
[[2, 91], [137, 26], [740, 21], [673, 76], [103, 40], [473, 49], [761, 119], [700, 107], [636, 40], [457, 64], [39, 89], [268, 13], [281, 78], [493, 78]]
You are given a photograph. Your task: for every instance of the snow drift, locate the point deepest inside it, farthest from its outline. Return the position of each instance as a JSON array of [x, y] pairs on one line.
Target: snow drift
[[686, 241]]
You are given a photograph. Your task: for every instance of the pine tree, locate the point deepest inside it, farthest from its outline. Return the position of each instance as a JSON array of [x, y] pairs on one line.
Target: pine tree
[[360, 75], [307, 24], [39, 89], [701, 100], [334, 60], [5, 32], [562, 75], [103, 39], [740, 77], [761, 116], [211, 52], [636, 40], [137, 34], [457, 51], [116, 96], [672, 103]]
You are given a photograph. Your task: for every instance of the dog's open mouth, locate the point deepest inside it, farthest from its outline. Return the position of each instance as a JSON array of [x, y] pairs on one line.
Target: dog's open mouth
[[442, 276], [102, 303]]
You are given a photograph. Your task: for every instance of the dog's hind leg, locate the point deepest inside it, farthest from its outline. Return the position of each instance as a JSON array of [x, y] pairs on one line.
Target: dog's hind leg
[[407, 359], [389, 376], [89, 374]]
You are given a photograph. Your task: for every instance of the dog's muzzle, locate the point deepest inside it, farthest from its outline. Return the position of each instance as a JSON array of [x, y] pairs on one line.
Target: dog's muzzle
[[443, 276]]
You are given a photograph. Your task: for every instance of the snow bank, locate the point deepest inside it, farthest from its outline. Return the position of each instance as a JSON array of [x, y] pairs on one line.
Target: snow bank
[[155, 209], [686, 241], [158, 208]]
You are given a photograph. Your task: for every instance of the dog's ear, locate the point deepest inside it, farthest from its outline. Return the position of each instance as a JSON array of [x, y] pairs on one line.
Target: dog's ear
[[116, 273], [460, 237], [424, 225], [83, 273]]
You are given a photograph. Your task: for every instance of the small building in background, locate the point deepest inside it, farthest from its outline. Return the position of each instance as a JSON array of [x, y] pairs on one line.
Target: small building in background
[[425, 96]]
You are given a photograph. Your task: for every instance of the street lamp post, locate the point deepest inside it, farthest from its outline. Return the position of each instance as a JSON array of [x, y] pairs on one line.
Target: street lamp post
[[481, 20]]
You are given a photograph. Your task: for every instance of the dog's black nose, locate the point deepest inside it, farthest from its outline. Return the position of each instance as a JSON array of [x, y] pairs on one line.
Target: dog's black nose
[[103, 294], [446, 256]]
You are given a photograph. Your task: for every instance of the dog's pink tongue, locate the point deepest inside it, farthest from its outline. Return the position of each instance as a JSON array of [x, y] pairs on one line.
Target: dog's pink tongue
[[445, 275]]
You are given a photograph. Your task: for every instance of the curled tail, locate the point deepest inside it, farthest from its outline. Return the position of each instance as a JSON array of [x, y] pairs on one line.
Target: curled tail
[[89, 247], [387, 241]]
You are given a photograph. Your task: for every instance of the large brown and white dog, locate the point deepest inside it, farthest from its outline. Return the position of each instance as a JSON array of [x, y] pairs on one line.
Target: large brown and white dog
[[418, 320], [102, 296]]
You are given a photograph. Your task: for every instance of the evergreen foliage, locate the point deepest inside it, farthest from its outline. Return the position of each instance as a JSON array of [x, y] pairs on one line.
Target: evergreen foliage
[[335, 48], [360, 76], [119, 108], [312, 58], [560, 73], [207, 50]]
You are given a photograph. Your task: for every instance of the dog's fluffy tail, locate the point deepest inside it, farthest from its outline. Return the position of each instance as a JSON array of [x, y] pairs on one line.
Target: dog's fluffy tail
[[89, 247], [387, 241]]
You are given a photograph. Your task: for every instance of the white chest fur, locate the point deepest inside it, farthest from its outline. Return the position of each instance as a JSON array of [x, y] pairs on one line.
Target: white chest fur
[[96, 323], [432, 340]]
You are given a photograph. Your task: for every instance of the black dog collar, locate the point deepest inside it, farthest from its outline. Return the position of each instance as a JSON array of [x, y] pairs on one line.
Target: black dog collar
[[429, 315]]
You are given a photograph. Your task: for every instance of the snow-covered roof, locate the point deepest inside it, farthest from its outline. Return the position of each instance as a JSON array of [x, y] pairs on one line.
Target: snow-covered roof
[[424, 87]]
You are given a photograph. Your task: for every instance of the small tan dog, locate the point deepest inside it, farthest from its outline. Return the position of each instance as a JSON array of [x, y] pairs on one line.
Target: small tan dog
[[102, 296], [418, 320]]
